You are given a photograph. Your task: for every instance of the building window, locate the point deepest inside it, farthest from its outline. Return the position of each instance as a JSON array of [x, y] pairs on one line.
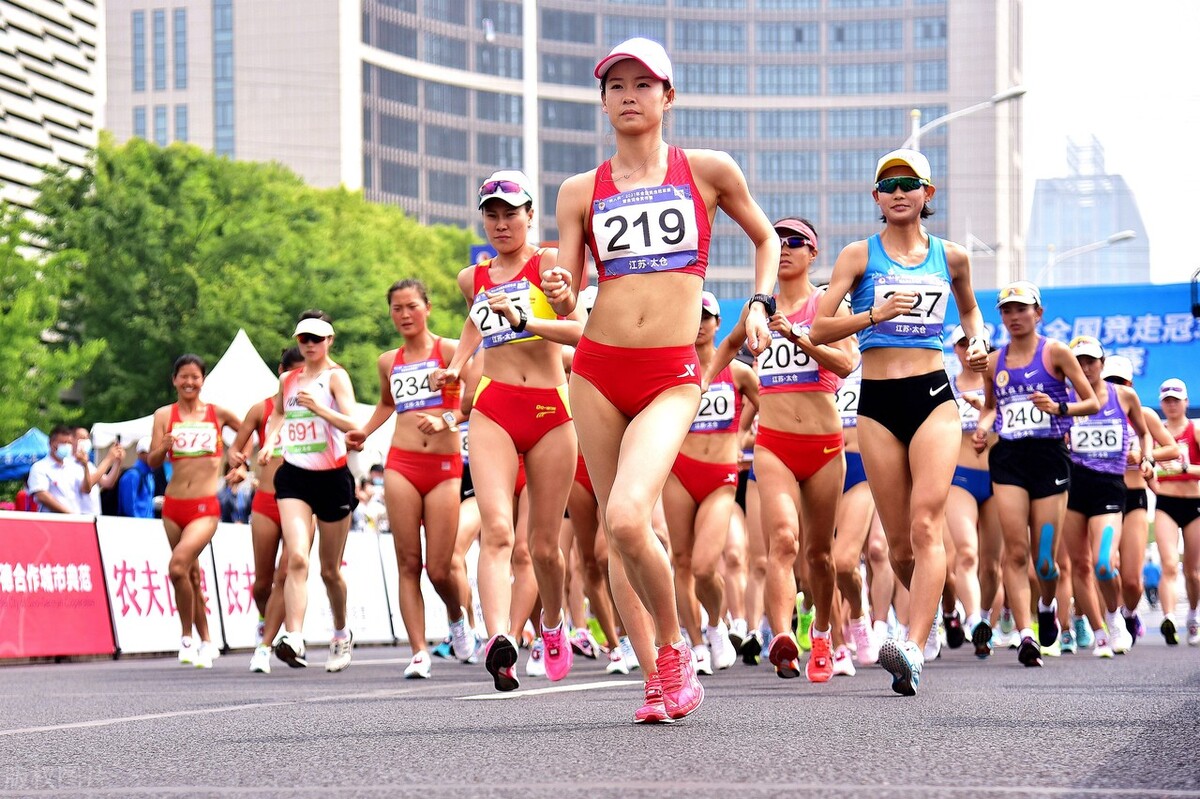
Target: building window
[[850, 207], [368, 172], [501, 151], [568, 26], [399, 133], [568, 158], [786, 5], [788, 124], [492, 59], [792, 37], [181, 123], [443, 142], [777, 205], [447, 11], [398, 39], [159, 32], [446, 51], [866, 78], [504, 15], [618, 29], [850, 166], [788, 80], [710, 37], [568, 69], [929, 32], [223, 112], [399, 179], [368, 123], [160, 125], [139, 121], [401, 5], [181, 51], [718, 124], [447, 99], [498, 107], [729, 251], [711, 78], [447, 187], [710, 3], [867, 123], [930, 76], [562, 115], [139, 51], [870, 35], [789, 165], [398, 87], [864, 3]]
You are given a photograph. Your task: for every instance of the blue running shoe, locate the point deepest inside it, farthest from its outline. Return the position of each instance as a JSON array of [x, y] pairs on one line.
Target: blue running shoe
[[903, 660], [1083, 633], [1066, 642], [444, 649], [981, 637]]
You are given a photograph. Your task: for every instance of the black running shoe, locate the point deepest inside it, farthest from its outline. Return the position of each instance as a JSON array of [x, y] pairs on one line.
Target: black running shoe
[[1131, 624], [1029, 653], [981, 637], [956, 636], [751, 648], [1047, 627], [1168, 631]]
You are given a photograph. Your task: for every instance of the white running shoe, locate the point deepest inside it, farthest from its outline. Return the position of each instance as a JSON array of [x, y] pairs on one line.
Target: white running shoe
[[462, 638], [702, 659], [723, 653], [631, 658], [206, 653], [260, 661], [879, 634], [933, 644], [865, 647], [1101, 649], [340, 650], [843, 664], [1193, 630], [1120, 639], [187, 652], [418, 666], [535, 666], [289, 647], [258, 631], [616, 662]]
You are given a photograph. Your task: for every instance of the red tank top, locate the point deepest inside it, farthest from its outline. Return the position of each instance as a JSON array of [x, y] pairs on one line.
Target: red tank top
[[199, 439], [1191, 450], [410, 384], [720, 406], [650, 229], [525, 290], [783, 366]]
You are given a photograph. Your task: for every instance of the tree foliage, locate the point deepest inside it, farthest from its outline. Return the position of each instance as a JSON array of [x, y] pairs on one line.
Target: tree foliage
[[171, 250], [34, 371]]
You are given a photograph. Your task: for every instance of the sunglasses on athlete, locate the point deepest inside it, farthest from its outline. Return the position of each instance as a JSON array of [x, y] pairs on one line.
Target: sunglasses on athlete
[[1010, 292], [905, 184], [792, 242], [309, 338], [502, 186]]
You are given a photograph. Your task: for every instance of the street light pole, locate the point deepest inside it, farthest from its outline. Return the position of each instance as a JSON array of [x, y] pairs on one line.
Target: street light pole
[[1054, 258], [917, 130]]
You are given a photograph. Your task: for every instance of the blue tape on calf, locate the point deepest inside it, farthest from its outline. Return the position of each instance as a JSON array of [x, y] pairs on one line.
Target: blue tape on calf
[[1047, 569], [1104, 567]]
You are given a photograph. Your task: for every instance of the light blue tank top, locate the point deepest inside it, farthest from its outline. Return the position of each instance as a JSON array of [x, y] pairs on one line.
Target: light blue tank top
[[920, 328]]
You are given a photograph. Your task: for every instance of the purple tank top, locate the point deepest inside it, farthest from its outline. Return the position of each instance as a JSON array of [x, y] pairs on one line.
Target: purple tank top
[[1016, 415], [1100, 442]]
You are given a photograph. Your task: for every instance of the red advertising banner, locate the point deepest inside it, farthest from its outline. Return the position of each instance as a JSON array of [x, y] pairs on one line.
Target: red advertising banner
[[52, 597]]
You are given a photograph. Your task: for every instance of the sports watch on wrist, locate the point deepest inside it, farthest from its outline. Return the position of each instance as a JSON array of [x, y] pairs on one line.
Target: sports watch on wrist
[[1062, 408], [799, 329], [768, 303], [450, 420], [522, 320]]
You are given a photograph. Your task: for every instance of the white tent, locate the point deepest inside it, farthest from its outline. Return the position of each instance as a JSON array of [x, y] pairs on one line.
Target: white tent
[[239, 380]]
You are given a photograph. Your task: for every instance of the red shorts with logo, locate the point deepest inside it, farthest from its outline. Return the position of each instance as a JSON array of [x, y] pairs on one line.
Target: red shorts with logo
[[425, 470], [185, 511], [583, 478], [631, 378], [701, 478], [525, 413], [264, 503], [521, 478], [804, 455]]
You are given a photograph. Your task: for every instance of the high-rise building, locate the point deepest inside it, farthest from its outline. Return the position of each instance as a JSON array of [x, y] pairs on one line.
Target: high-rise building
[[1086, 212], [50, 90], [416, 101]]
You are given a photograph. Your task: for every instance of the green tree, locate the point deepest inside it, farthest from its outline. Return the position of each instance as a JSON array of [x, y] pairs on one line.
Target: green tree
[[35, 369]]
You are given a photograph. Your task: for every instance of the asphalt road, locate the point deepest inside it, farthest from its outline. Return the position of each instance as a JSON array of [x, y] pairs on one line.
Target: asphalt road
[[150, 727]]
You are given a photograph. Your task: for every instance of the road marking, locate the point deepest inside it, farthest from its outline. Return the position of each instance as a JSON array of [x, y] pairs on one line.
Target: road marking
[[558, 689], [76, 725]]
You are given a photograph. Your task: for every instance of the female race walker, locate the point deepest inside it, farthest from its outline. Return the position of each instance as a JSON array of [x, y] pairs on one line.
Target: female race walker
[[311, 412], [908, 424], [188, 433], [519, 409], [798, 459], [424, 470], [645, 216], [1178, 510], [1025, 401]]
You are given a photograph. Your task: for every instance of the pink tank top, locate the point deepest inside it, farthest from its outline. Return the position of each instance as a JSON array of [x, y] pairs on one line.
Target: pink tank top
[[783, 366]]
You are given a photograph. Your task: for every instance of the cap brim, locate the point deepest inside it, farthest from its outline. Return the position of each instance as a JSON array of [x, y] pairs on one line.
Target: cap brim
[[515, 200], [606, 64]]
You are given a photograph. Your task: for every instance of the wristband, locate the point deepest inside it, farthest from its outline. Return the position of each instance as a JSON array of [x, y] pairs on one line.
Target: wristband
[[973, 339], [768, 303], [522, 320], [450, 420], [1062, 408], [871, 315]]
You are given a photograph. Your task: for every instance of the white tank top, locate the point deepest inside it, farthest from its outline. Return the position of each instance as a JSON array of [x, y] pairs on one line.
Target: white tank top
[[309, 441]]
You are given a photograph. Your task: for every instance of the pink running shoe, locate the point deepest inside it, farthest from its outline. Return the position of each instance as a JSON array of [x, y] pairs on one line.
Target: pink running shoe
[[653, 711], [820, 662], [499, 657], [557, 651], [784, 655], [682, 691]]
